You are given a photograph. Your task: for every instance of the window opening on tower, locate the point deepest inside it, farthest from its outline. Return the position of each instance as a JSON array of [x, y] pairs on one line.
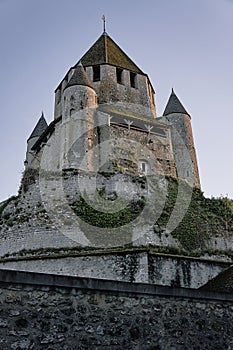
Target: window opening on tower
[[96, 73]]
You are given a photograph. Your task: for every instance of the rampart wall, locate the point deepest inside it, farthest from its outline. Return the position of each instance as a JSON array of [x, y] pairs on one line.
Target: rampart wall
[[50, 312]]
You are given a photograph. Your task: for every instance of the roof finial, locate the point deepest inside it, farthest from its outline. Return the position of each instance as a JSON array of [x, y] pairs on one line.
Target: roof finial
[[104, 23]]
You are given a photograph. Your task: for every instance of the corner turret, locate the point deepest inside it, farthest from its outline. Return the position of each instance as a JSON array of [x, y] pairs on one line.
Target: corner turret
[[79, 102], [40, 127], [182, 140], [174, 106], [78, 94]]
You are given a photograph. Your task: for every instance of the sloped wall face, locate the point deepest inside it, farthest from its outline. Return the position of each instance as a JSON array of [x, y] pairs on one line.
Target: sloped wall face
[[48, 222], [185, 273], [65, 319]]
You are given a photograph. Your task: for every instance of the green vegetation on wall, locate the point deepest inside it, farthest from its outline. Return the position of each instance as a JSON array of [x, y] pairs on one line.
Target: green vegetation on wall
[[99, 215], [205, 220], [205, 217]]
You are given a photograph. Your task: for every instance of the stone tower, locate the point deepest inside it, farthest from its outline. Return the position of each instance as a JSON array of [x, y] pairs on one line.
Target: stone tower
[[182, 140], [79, 101], [78, 94], [115, 78], [123, 219], [106, 96], [40, 127]]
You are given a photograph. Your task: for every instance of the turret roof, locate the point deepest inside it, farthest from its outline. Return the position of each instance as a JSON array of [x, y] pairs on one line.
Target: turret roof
[[39, 128], [105, 50], [79, 77], [174, 105]]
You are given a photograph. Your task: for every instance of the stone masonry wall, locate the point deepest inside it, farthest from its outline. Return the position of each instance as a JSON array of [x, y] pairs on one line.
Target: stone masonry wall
[[137, 267], [108, 90], [154, 149], [48, 312], [32, 241]]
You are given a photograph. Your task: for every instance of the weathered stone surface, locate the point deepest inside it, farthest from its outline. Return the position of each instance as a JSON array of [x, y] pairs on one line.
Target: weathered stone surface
[[75, 319], [33, 242], [129, 267]]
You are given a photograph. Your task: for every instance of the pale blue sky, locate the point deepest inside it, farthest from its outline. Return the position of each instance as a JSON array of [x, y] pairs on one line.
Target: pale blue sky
[[184, 44]]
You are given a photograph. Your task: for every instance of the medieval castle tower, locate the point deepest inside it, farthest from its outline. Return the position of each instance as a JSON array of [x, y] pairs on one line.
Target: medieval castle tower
[[110, 242], [105, 96], [108, 180]]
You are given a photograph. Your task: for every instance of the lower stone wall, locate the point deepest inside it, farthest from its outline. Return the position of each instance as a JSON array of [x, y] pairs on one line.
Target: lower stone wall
[[126, 266], [51, 312], [182, 271]]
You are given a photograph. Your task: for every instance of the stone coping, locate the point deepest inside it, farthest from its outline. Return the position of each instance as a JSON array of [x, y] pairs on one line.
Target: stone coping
[[67, 284], [71, 253]]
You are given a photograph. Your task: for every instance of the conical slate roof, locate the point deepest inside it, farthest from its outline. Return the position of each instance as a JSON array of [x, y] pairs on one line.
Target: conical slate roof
[[39, 128], [105, 50], [79, 77], [174, 105]]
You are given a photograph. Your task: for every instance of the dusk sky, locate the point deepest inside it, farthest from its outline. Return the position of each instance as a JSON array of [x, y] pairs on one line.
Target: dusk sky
[[184, 44]]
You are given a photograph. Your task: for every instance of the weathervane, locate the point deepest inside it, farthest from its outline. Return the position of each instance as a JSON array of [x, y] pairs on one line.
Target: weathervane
[[104, 22]]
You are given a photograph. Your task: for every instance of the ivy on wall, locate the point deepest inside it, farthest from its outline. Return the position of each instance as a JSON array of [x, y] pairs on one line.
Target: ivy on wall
[[204, 218], [100, 218]]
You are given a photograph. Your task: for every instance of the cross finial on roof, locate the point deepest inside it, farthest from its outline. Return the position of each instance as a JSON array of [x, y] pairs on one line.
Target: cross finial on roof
[[104, 23]]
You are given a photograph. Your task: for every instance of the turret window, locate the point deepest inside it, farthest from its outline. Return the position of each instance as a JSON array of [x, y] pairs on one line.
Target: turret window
[[119, 75], [143, 166], [72, 101], [72, 111], [133, 80], [96, 73]]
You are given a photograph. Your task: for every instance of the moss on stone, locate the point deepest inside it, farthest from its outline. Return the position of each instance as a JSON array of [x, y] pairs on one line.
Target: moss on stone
[[205, 217], [100, 218]]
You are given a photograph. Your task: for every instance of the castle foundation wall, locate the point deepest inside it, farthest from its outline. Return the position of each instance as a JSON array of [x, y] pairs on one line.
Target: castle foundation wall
[[137, 267], [41, 311]]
